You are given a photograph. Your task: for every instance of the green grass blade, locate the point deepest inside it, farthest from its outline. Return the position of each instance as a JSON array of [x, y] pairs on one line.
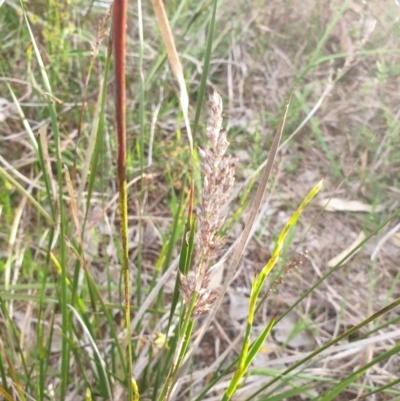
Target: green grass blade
[[357, 374], [258, 343], [325, 36], [258, 282], [100, 132], [313, 354], [3, 374], [206, 67], [43, 361], [381, 389], [286, 395], [101, 365], [64, 299], [185, 255]]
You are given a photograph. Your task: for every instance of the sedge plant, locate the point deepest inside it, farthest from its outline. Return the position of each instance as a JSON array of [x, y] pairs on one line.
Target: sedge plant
[[136, 338]]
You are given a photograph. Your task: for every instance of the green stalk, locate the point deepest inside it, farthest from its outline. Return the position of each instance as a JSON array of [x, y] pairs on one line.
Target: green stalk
[[180, 350], [245, 357], [206, 66], [343, 384], [344, 335]]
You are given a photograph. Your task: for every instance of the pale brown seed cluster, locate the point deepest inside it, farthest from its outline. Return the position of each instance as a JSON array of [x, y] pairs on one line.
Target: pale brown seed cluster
[[219, 176], [294, 264], [369, 28], [205, 298]]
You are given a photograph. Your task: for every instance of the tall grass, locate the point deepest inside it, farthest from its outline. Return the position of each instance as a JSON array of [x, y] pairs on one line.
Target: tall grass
[[99, 300]]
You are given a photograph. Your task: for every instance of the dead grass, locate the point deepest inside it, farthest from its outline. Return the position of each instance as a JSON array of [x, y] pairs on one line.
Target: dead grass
[[352, 142], [352, 123]]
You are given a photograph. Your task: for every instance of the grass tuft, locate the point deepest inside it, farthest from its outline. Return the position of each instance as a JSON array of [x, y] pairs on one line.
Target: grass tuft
[[147, 252]]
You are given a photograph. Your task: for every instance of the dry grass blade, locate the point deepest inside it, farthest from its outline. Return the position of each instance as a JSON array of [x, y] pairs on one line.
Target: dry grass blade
[[46, 157], [174, 62], [12, 373], [20, 176], [74, 209], [11, 244], [75, 218], [89, 153], [24, 192]]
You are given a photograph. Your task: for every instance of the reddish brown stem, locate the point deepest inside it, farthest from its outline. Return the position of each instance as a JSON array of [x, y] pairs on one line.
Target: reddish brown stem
[[119, 31], [120, 9]]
